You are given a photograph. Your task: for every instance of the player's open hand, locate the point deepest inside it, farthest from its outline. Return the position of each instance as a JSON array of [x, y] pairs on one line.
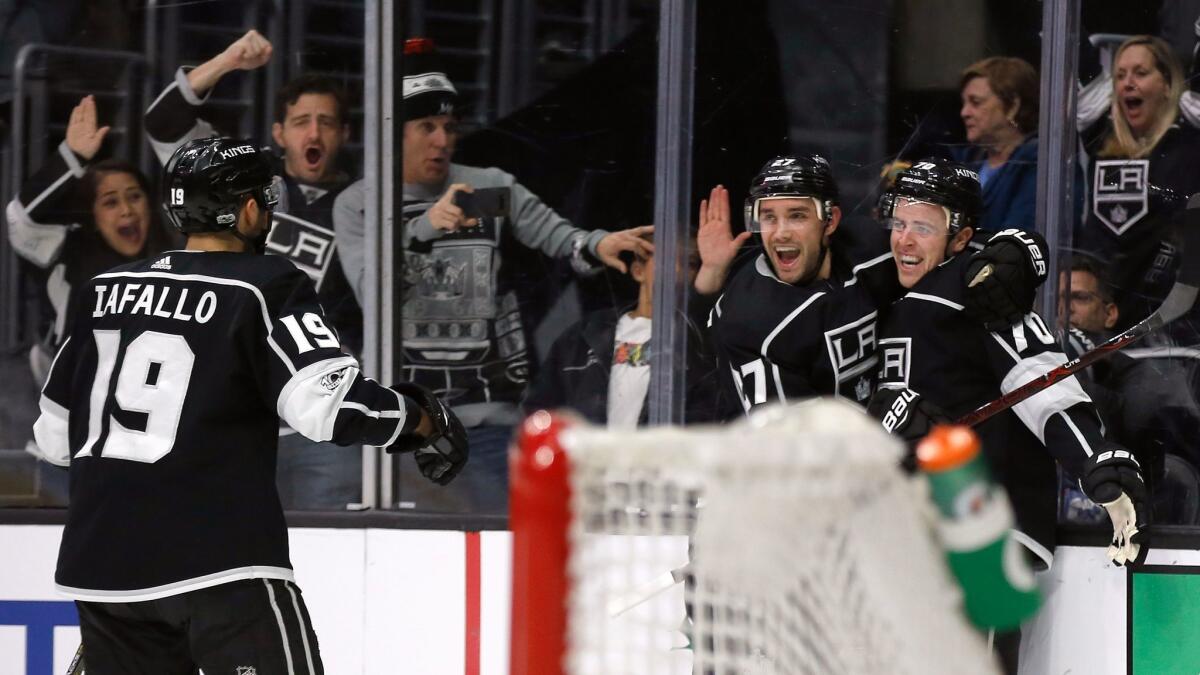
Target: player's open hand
[[718, 247], [248, 52], [445, 215], [611, 247], [83, 136]]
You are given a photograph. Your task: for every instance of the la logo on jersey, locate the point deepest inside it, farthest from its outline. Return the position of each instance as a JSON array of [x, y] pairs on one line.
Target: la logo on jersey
[[896, 360], [852, 354], [1119, 195]]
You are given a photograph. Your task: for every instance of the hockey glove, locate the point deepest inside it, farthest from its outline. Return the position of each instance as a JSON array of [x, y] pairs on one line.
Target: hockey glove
[[905, 413], [1113, 479], [442, 454], [1002, 279]]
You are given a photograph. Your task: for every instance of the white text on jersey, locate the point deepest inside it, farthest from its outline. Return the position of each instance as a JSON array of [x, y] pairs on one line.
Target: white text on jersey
[[153, 301]]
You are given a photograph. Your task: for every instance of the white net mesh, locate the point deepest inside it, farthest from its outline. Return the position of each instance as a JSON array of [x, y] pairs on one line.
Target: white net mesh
[[810, 553]]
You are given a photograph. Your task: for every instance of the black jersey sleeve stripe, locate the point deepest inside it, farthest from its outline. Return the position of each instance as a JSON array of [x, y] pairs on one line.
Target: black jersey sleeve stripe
[[372, 414], [1072, 436]]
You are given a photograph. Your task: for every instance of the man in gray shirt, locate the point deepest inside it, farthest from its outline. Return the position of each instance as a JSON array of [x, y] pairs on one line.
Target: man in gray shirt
[[462, 332]]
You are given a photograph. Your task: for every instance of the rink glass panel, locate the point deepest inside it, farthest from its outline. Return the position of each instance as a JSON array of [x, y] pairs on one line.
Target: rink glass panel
[[562, 96]]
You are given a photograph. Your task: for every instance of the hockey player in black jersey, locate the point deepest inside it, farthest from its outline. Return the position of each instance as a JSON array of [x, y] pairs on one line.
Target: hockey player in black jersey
[[929, 346], [798, 320], [165, 401]]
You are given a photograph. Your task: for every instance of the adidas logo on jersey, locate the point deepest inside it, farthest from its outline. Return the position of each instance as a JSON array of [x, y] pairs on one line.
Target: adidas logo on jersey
[[164, 264]]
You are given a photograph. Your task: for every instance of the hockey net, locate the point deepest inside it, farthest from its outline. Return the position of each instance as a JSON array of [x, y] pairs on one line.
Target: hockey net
[[798, 544]]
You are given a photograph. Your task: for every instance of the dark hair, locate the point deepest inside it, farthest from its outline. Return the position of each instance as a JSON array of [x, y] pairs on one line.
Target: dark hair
[[1011, 80], [291, 92], [1092, 266], [157, 239], [90, 182]]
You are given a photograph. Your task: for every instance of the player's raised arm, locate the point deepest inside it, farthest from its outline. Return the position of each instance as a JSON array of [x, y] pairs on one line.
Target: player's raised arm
[[173, 119], [716, 242]]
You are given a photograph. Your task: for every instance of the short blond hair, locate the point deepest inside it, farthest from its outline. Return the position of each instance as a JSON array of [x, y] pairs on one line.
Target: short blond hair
[[1121, 142]]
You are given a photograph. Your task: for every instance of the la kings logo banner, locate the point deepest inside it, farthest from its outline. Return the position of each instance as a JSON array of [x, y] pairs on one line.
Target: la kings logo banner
[[1119, 195]]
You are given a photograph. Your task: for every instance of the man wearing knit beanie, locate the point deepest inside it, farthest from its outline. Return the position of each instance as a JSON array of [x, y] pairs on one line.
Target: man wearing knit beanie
[[463, 334]]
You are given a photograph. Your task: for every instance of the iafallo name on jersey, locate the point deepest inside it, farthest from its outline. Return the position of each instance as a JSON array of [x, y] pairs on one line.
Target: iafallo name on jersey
[[165, 302]]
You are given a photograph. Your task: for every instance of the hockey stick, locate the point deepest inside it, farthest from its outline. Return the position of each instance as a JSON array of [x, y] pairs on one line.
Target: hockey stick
[[623, 602], [1180, 299], [77, 667]]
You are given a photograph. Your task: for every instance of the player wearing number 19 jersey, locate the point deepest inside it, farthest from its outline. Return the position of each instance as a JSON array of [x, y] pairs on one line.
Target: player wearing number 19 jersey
[[165, 402]]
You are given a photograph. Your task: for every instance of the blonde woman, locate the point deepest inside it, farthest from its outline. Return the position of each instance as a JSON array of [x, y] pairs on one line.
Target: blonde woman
[[1141, 169]]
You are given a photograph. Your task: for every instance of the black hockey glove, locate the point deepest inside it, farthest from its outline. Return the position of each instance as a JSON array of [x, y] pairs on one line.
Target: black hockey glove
[[442, 454], [905, 413], [1113, 479], [1002, 279]]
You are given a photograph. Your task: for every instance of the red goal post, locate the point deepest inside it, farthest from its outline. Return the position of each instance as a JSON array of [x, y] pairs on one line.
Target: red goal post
[[789, 543]]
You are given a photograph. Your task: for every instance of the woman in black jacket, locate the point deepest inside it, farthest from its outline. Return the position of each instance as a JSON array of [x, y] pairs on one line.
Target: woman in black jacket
[[1141, 171], [77, 220]]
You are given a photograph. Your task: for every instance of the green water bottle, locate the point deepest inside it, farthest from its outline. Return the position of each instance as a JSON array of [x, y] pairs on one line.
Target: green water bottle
[[999, 590]]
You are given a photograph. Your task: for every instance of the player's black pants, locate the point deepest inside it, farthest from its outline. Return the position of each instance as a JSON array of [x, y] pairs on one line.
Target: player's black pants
[[248, 627]]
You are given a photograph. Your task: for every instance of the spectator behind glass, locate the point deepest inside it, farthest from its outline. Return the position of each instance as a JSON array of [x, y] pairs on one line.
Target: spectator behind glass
[[463, 330], [1142, 168], [79, 219], [1000, 113], [1144, 395], [600, 366], [311, 127]]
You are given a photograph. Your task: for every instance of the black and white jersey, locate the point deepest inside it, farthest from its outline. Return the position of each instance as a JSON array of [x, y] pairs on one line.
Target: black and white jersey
[[165, 401], [1130, 221], [927, 344], [782, 342], [302, 229]]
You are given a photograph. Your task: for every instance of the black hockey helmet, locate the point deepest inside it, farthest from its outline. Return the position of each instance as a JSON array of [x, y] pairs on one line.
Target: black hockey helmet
[[793, 176], [942, 182], [206, 178]]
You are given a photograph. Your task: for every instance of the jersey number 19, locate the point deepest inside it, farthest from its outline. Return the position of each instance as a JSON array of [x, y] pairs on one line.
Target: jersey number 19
[[152, 382]]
